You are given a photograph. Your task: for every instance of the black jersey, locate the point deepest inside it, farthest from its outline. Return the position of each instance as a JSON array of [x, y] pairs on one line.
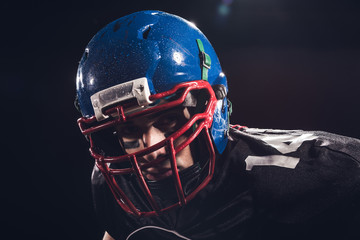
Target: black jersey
[[268, 184]]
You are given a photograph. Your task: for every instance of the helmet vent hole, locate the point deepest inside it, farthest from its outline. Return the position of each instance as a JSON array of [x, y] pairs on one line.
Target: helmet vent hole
[[146, 32], [86, 53]]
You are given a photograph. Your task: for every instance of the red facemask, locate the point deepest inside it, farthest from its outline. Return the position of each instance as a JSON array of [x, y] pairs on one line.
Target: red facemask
[[128, 164]]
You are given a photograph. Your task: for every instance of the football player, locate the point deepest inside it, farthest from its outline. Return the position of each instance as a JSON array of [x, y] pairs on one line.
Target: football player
[[169, 165]]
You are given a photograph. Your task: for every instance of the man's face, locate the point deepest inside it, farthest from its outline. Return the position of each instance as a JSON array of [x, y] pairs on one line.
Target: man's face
[[146, 131]]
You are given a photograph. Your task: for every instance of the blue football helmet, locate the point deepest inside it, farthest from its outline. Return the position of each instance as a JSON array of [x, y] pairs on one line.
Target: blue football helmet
[[145, 63]]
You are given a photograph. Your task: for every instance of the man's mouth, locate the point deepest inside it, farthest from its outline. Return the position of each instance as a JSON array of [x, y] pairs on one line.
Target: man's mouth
[[158, 174]]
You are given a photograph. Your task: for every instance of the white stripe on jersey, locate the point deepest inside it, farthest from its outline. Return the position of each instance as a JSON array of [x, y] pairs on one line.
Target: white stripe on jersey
[[294, 142], [272, 160]]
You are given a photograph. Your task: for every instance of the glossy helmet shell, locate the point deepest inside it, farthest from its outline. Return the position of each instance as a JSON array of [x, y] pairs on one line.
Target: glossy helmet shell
[[159, 46]]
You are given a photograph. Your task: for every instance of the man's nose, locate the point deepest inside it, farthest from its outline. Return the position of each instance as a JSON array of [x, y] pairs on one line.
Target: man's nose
[[151, 137]]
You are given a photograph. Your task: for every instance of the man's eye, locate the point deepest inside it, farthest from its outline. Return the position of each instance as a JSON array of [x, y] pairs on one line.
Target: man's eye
[[128, 131], [167, 121], [131, 144], [170, 123]]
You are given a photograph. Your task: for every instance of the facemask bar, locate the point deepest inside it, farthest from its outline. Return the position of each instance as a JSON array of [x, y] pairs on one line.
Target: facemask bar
[[203, 119]]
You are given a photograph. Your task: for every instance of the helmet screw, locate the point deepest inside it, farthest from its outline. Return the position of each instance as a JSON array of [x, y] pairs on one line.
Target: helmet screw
[[95, 104]]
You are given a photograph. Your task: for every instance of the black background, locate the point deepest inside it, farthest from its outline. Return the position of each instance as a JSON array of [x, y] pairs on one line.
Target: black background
[[290, 65]]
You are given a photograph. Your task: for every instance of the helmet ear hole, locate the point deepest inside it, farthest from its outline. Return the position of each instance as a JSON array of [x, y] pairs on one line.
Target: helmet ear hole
[[220, 91]]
